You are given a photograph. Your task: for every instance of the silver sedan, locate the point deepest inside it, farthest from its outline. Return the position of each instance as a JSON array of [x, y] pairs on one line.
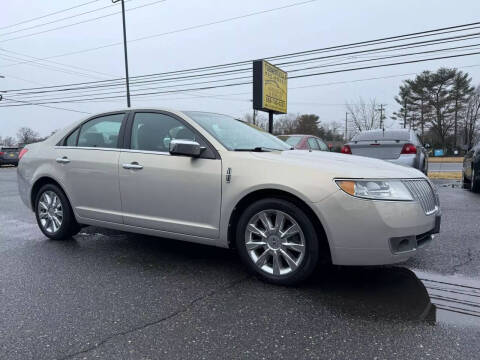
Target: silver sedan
[[207, 178]]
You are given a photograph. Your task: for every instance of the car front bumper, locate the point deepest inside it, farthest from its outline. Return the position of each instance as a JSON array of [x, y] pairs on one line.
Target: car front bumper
[[375, 232]]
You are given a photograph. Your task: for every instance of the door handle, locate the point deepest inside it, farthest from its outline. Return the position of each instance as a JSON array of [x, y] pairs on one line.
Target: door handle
[[133, 166], [63, 160]]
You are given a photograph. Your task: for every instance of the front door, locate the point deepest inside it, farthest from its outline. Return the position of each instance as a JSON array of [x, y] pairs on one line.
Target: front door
[[176, 194]]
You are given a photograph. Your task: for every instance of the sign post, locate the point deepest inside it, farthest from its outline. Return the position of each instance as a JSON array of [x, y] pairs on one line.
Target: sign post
[[269, 90]]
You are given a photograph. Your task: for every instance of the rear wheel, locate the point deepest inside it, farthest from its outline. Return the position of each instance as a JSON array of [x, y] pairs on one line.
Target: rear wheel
[[465, 182], [277, 241], [474, 182], [54, 213]]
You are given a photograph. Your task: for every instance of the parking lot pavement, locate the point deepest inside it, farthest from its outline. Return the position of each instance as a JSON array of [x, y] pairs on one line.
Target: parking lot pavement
[[113, 295], [445, 166]]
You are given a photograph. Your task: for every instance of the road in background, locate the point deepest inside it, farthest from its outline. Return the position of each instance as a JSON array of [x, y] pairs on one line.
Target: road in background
[[115, 295], [445, 166]]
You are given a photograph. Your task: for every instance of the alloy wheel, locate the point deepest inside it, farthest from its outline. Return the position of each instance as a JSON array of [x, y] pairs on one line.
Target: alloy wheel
[[275, 242], [50, 212]]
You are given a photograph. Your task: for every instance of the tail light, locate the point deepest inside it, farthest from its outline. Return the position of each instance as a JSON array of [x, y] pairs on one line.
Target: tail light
[[346, 149], [1, 153], [409, 149], [22, 152]]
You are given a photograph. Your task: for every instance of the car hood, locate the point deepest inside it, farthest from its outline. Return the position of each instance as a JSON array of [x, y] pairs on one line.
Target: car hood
[[341, 165]]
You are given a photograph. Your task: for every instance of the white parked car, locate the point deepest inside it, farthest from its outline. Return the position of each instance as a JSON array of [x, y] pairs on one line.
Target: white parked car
[[210, 179]]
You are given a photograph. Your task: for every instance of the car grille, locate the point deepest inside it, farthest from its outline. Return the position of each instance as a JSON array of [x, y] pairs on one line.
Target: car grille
[[423, 192]]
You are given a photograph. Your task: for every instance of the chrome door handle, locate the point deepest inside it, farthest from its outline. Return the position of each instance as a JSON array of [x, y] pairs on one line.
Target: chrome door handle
[[132, 166], [63, 160]]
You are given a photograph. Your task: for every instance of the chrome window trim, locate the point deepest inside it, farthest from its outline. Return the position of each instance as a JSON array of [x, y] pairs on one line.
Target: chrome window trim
[[86, 148], [146, 152]]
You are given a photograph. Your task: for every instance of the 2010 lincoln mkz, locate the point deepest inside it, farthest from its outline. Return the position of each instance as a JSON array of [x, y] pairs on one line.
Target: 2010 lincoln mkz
[[211, 179]]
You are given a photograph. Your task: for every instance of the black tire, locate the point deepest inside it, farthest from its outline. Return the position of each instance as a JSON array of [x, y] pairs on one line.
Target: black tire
[[312, 246], [69, 225], [475, 182], [465, 183]]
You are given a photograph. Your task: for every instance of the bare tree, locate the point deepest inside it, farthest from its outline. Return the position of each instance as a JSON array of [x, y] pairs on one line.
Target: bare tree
[[8, 141], [471, 116], [364, 115], [26, 135]]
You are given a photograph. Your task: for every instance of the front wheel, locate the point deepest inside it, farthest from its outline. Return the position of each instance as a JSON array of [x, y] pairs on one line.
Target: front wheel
[[54, 213], [277, 241]]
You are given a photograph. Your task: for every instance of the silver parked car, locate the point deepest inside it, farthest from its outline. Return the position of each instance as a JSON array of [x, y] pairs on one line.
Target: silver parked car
[[400, 146], [210, 179]]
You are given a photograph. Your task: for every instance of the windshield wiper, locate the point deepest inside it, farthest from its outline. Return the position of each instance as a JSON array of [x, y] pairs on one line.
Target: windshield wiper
[[259, 149]]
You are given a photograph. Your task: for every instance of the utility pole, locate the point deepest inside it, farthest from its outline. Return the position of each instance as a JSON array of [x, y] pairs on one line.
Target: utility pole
[[125, 50], [346, 126], [382, 125]]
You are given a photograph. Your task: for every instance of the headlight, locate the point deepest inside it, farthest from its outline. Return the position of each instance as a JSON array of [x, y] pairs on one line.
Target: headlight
[[376, 189]]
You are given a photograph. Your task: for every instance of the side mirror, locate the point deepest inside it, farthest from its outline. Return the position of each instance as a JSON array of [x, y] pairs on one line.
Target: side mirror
[[427, 146], [185, 148]]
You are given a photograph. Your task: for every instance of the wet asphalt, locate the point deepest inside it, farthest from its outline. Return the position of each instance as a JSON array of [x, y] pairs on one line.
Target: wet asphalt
[[113, 295]]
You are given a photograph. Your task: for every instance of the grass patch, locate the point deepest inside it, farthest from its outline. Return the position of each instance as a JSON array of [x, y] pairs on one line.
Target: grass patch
[[456, 159], [449, 175]]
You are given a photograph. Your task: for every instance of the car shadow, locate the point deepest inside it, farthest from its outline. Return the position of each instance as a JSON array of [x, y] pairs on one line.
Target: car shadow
[[373, 293]]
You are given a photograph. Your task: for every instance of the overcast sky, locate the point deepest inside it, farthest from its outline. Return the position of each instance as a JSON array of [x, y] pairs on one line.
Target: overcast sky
[[308, 26]]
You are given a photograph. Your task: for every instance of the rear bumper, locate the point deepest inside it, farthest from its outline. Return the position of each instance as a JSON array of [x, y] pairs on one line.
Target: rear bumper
[[406, 160], [367, 232], [8, 161]]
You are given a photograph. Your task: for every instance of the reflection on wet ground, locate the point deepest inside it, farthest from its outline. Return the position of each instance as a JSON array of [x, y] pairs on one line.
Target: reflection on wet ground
[[376, 293], [456, 298]]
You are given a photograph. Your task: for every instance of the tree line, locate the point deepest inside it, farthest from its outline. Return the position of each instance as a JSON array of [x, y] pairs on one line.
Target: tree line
[[305, 124], [25, 135]]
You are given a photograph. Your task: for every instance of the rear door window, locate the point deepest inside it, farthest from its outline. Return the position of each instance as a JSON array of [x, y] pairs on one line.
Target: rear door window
[[322, 145], [101, 132]]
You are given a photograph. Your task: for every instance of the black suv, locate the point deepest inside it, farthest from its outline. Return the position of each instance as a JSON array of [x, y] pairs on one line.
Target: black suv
[[9, 156]]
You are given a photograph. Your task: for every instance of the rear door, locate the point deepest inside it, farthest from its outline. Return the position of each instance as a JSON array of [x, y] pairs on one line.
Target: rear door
[[88, 164]]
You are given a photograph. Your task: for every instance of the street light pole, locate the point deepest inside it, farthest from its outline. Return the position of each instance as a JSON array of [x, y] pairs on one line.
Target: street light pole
[[125, 50]]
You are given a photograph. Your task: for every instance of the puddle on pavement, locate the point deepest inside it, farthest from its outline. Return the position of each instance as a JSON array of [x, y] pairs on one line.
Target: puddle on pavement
[[456, 298]]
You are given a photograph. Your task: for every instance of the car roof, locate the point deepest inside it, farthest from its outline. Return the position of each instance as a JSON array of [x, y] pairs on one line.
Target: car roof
[[379, 134]]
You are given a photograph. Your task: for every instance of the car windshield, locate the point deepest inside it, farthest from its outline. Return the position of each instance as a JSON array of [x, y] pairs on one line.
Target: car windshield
[[235, 134], [291, 140]]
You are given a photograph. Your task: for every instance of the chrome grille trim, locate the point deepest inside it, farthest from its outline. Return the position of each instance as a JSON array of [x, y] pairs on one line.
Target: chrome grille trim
[[423, 192]]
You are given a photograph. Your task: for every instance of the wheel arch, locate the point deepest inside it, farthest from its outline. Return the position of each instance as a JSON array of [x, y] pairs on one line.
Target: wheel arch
[[256, 195], [37, 185]]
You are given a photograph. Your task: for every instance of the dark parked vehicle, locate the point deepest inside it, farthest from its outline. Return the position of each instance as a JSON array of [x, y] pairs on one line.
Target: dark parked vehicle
[[304, 142], [399, 146], [9, 156], [471, 169]]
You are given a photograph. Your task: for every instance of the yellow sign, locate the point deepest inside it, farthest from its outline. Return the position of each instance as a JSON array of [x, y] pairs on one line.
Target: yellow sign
[[269, 88], [274, 88]]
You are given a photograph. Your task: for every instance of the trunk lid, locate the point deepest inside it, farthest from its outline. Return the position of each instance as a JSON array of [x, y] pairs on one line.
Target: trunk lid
[[378, 149]]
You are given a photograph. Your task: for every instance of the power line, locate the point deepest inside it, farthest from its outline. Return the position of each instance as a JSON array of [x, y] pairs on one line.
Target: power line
[[81, 22], [46, 106], [111, 82], [47, 15], [188, 28], [37, 60], [249, 82], [93, 88]]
